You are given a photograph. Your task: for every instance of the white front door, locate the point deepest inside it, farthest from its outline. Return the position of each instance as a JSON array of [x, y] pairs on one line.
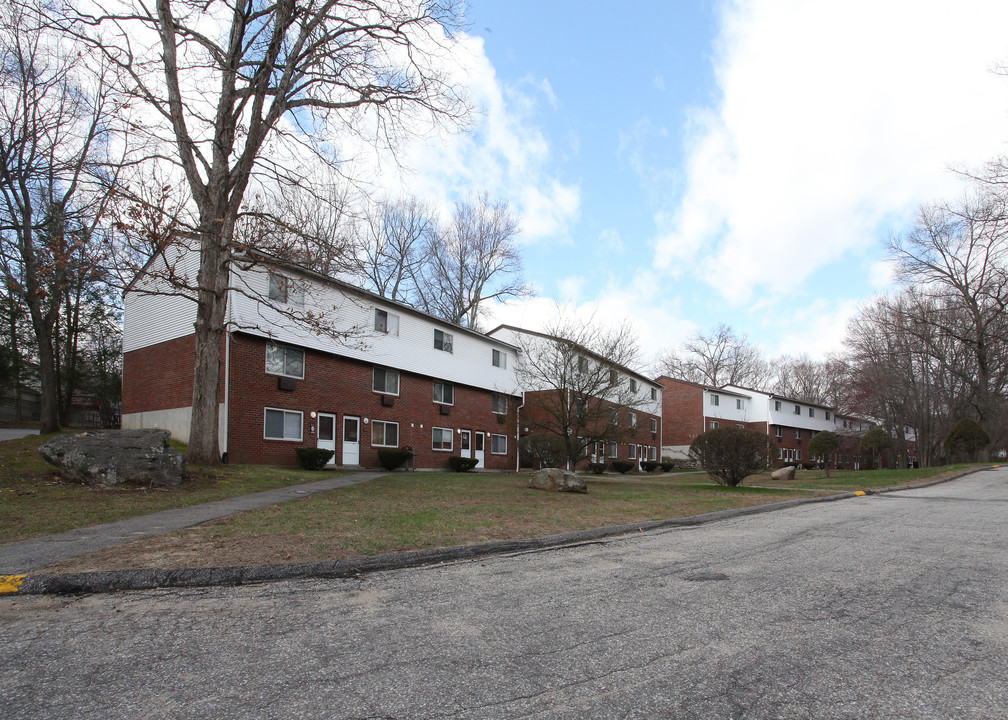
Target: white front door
[[351, 440], [327, 434], [478, 439], [465, 443]]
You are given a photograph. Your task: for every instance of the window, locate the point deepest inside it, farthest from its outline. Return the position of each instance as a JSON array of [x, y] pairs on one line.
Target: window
[[714, 425], [582, 363], [777, 405], [499, 359], [798, 454], [780, 453], [384, 434], [652, 453], [441, 438], [386, 322], [444, 393], [740, 426], [827, 414], [633, 385], [386, 381], [579, 406], [498, 444], [613, 376], [614, 416], [633, 420], [612, 449], [632, 452], [715, 400], [778, 431], [811, 412], [282, 424], [797, 434], [654, 425], [442, 341], [286, 290], [739, 404], [654, 393], [287, 361], [797, 409], [498, 404]]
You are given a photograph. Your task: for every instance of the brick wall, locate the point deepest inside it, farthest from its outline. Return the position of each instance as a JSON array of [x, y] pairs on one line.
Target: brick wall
[[344, 388], [682, 412], [159, 377]]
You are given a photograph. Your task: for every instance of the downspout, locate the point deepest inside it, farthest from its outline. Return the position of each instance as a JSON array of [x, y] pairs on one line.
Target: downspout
[[223, 422], [518, 433]]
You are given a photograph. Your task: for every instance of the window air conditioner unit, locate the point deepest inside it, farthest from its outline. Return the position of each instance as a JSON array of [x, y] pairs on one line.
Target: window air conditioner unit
[[287, 383], [387, 400], [445, 409]]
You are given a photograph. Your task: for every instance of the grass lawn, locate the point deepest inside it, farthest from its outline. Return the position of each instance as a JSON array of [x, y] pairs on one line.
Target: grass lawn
[[400, 511], [35, 501]]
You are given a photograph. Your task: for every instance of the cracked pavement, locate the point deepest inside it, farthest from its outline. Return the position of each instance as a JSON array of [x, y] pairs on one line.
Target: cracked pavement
[[884, 606]]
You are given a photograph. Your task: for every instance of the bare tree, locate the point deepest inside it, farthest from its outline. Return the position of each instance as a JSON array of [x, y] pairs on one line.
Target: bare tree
[[234, 95], [718, 359], [54, 135], [393, 241], [820, 382], [474, 260], [957, 256], [576, 374]]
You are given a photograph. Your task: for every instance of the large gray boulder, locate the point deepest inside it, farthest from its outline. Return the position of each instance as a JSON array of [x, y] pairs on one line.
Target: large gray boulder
[[116, 457], [784, 473], [557, 480]]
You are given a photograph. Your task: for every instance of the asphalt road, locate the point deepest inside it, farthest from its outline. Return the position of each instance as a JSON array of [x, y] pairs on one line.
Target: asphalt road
[[885, 606]]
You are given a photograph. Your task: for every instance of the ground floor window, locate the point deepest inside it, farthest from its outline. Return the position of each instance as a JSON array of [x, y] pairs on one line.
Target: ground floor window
[[282, 424], [498, 444], [384, 434], [632, 452], [441, 438]]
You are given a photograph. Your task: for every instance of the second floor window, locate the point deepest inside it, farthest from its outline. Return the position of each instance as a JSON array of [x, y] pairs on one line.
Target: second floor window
[[498, 404], [287, 361], [444, 392], [499, 359], [386, 381], [654, 425], [715, 400], [633, 420]]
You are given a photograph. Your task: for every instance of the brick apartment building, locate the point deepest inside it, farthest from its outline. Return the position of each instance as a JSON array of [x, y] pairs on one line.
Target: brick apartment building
[[402, 378], [626, 425]]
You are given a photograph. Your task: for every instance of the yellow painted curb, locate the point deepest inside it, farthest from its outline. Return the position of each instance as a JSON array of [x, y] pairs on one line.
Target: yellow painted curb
[[860, 492], [10, 583]]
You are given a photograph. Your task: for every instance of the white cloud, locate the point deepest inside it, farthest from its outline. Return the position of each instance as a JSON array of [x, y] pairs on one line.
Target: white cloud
[[834, 119]]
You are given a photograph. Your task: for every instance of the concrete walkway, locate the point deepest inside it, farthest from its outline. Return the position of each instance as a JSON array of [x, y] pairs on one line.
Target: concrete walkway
[[12, 433], [22, 557]]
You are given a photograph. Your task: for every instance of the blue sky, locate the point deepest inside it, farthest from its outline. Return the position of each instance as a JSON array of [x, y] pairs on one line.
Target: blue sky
[[683, 164]]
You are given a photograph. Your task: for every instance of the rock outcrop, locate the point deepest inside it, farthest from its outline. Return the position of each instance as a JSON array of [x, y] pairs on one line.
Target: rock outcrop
[[116, 457], [557, 480]]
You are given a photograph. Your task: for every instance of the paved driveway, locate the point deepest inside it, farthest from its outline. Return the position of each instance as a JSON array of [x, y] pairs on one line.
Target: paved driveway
[[15, 433], [891, 606]]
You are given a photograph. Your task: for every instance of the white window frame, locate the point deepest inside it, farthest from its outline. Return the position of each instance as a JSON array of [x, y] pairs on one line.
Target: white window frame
[[384, 424], [613, 450], [739, 404], [797, 409], [283, 424], [582, 364], [633, 385], [714, 424], [631, 451], [811, 412], [654, 393], [444, 341], [499, 359], [827, 414], [285, 289], [633, 420], [496, 399], [286, 351], [778, 431], [652, 452], [797, 434], [798, 454], [654, 425], [715, 400], [386, 322], [374, 379], [445, 386], [777, 405], [494, 440], [445, 446]]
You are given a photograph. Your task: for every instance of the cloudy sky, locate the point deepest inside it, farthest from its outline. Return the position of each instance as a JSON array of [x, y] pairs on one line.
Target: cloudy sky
[[686, 163]]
